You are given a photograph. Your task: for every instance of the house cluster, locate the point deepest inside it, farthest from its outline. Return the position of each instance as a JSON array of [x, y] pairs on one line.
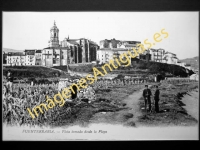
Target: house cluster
[[160, 55], [82, 50], [28, 57], [68, 51], [110, 49]]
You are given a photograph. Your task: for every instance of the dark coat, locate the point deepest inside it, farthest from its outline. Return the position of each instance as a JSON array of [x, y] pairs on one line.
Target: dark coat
[[74, 95], [157, 93], [147, 93]]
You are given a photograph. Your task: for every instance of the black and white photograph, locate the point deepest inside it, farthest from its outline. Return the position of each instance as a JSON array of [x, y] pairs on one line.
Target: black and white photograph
[[100, 75]]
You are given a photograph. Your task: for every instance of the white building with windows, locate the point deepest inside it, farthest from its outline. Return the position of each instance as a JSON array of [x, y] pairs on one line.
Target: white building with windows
[[157, 54], [30, 57], [16, 59], [110, 49], [38, 57], [104, 55], [170, 58]]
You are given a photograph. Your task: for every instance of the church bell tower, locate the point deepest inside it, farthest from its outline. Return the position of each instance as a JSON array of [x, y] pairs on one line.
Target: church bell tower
[[54, 36]]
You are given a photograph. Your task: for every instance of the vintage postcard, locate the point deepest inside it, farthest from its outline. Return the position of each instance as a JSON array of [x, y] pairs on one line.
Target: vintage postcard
[[100, 76]]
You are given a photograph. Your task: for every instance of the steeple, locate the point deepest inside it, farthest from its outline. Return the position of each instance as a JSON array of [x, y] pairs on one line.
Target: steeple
[[54, 36]]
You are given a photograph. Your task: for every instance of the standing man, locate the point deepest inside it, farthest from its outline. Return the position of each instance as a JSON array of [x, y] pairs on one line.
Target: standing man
[[156, 98], [74, 95], [147, 97], [9, 83]]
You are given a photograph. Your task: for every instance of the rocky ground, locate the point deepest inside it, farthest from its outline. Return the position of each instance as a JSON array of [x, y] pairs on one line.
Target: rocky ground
[[125, 106], [113, 106]]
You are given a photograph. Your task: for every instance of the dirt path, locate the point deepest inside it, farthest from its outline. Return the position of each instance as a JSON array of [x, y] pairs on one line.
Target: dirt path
[[192, 102], [132, 102], [120, 117]]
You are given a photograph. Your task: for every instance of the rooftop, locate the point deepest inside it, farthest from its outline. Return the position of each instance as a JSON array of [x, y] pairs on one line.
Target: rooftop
[[73, 42], [114, 49], [16, 54], [169, 53], [30, 52], [38, 51], [187, 65], [64, 48]]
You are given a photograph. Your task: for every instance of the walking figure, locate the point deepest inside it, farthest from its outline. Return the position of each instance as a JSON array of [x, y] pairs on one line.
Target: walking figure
[[147, 98]]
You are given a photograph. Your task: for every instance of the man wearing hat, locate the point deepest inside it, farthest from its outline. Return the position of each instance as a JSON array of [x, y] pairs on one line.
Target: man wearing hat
[[147, 97]]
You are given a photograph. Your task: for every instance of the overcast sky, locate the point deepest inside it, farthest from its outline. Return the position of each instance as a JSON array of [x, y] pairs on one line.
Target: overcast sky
[[31, 30]]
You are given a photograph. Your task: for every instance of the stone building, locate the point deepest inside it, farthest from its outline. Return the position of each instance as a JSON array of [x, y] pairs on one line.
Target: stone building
[[104, 55], [81, 50], [146, 56], [170, 58], [38, 57], [16, 59], [157, 55], [4, 57], [113, 43], [110, 49], [29, 57], [54, 56], [69, 51]]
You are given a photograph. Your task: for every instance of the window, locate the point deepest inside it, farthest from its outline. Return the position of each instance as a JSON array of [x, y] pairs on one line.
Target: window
[[62, 57], [48, 55], [71, 52]]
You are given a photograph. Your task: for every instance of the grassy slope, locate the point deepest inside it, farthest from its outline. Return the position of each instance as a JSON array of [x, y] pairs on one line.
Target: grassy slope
[[139, 67], [22, 72]]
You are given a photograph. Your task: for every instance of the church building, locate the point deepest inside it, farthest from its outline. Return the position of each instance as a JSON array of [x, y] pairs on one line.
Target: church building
[[68, 51]]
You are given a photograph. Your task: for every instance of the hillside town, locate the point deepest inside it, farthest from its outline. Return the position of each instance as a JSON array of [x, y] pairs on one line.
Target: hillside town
[[123, 96], [82, 50]]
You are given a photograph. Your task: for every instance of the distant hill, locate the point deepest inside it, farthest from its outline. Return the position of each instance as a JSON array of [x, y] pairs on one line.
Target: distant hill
[[11, 50], [194, 62]]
